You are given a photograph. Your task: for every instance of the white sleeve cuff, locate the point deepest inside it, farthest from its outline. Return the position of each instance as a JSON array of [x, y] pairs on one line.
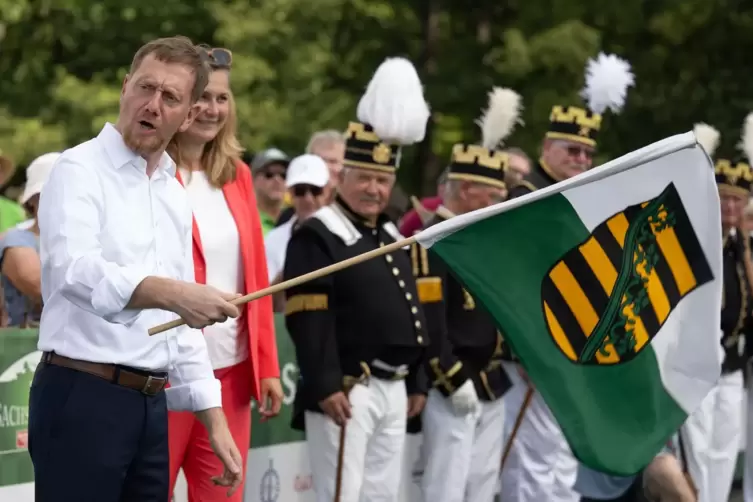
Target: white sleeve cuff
[[196, 396], [113, 293]]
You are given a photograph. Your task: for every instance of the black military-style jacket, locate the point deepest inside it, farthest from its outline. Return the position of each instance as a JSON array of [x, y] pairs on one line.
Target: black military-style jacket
[[538, 178], [361, 320], [465, 343], [737, 303]]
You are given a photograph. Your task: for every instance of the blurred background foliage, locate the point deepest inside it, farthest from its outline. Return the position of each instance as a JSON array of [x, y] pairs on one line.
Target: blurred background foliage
[[301, 65]]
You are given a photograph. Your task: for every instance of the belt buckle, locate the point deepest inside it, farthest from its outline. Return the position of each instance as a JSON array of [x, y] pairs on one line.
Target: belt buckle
[[145, 389]]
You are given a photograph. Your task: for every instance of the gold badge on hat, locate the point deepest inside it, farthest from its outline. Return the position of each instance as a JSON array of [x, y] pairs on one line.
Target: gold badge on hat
[[381, 153]]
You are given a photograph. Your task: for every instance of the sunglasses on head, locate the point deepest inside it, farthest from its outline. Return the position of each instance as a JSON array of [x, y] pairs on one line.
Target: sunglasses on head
[[219, 57], [302, 190]]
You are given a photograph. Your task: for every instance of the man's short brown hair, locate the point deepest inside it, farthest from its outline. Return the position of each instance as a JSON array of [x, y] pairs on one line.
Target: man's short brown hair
[[177, 50]]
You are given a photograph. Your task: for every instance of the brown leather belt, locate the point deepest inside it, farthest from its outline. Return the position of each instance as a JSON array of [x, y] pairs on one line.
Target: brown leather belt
[[146, 384]]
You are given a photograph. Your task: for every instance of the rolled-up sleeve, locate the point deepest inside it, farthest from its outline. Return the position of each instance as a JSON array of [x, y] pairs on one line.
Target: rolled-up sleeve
[[193, 386], [70, 216]]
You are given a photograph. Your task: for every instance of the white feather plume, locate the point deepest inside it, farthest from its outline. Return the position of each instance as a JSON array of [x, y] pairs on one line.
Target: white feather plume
[[501, 117], [746, 142], [607, 80], [394, 104], [707, 137]]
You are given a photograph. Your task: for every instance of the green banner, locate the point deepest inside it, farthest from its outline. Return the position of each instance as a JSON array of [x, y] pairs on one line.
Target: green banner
[[278, 430], [18, 359]]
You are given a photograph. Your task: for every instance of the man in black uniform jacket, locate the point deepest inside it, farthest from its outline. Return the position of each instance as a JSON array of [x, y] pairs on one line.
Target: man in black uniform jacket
[[359, 333], [463, 421]]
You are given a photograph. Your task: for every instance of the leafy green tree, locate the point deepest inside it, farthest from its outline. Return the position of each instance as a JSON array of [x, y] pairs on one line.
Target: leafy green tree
[[300, 66]]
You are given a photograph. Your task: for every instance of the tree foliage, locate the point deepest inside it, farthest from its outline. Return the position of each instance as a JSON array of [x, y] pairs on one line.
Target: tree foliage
[[300, 66]]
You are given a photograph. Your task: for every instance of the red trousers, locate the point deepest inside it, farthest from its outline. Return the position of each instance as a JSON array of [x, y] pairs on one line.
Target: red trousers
[[189, 441]]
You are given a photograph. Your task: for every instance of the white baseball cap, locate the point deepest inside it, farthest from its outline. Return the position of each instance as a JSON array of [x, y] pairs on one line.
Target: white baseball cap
[[36, 175], [307, 169]]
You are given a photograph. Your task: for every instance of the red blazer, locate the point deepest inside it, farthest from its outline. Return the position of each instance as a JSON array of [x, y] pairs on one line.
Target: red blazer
[[257, 319]]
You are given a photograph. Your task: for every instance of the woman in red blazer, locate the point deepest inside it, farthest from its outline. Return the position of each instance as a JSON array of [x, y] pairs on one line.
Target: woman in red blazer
[[228, 252]]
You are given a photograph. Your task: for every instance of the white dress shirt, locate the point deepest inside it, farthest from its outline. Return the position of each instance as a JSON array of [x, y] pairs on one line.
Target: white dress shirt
[[221, 245], [104, 227], [276, 247]]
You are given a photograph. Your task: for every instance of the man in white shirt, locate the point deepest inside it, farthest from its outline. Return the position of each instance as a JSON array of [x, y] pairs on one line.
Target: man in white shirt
[[116, 254], [306, 179]]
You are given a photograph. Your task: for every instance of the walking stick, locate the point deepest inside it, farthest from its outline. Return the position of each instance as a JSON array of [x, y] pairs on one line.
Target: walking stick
[[518, 422], [348, 384], [340, 462]]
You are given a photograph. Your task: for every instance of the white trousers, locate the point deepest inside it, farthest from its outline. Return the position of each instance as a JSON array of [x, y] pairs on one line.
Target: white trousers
[[748, 472], [373, 450], [540, 466], [462, 453], [712, 439]]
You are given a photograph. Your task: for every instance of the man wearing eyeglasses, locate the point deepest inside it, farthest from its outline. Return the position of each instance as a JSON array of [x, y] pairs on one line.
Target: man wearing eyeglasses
[[306, 180], [269, 168]]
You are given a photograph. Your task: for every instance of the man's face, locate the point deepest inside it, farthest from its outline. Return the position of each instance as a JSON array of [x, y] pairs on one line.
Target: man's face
[[366, 191], [307, 199], [479, 195], [519, 169], [270, 182], [155, 103], [333, 155], [567, 158], [732, 206]]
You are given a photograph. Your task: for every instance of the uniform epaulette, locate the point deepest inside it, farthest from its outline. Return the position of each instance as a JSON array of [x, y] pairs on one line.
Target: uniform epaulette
[[429, 287]]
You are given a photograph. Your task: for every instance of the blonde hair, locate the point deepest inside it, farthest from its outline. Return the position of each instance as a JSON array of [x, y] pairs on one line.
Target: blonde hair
[[221, 155]]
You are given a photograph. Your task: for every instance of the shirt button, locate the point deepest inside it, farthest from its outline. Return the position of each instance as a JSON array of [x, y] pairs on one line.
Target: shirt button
[[395, 271], [414, 310], [417, 324], [420, 339], [408, 296], [388, 258], [401, 283]]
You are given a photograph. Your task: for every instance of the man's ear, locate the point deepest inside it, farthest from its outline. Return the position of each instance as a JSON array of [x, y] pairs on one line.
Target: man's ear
[[192, 113], [463, 189], [126, 79]]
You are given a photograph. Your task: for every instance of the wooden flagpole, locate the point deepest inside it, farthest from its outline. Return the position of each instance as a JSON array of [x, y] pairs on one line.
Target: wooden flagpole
[[282, 286]]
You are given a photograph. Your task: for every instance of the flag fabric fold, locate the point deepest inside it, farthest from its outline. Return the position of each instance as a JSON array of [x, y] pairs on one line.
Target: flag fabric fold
[[607, 287]]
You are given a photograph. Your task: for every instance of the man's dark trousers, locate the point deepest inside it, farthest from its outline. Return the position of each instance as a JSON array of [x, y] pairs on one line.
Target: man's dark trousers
[[91, 440]]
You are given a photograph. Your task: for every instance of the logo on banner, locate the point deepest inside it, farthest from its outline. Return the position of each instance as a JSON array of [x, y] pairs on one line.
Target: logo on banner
[[15, 380], [607, 298], [269, 491]]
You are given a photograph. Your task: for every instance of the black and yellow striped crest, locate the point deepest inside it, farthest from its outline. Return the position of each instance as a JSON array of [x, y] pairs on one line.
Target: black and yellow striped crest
[[605, 299]]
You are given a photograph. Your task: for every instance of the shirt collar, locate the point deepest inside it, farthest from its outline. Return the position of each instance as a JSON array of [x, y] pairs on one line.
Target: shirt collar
[[120, 155]]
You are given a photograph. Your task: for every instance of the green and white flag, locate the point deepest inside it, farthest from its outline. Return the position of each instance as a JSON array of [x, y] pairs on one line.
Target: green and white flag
[[608, 288]]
